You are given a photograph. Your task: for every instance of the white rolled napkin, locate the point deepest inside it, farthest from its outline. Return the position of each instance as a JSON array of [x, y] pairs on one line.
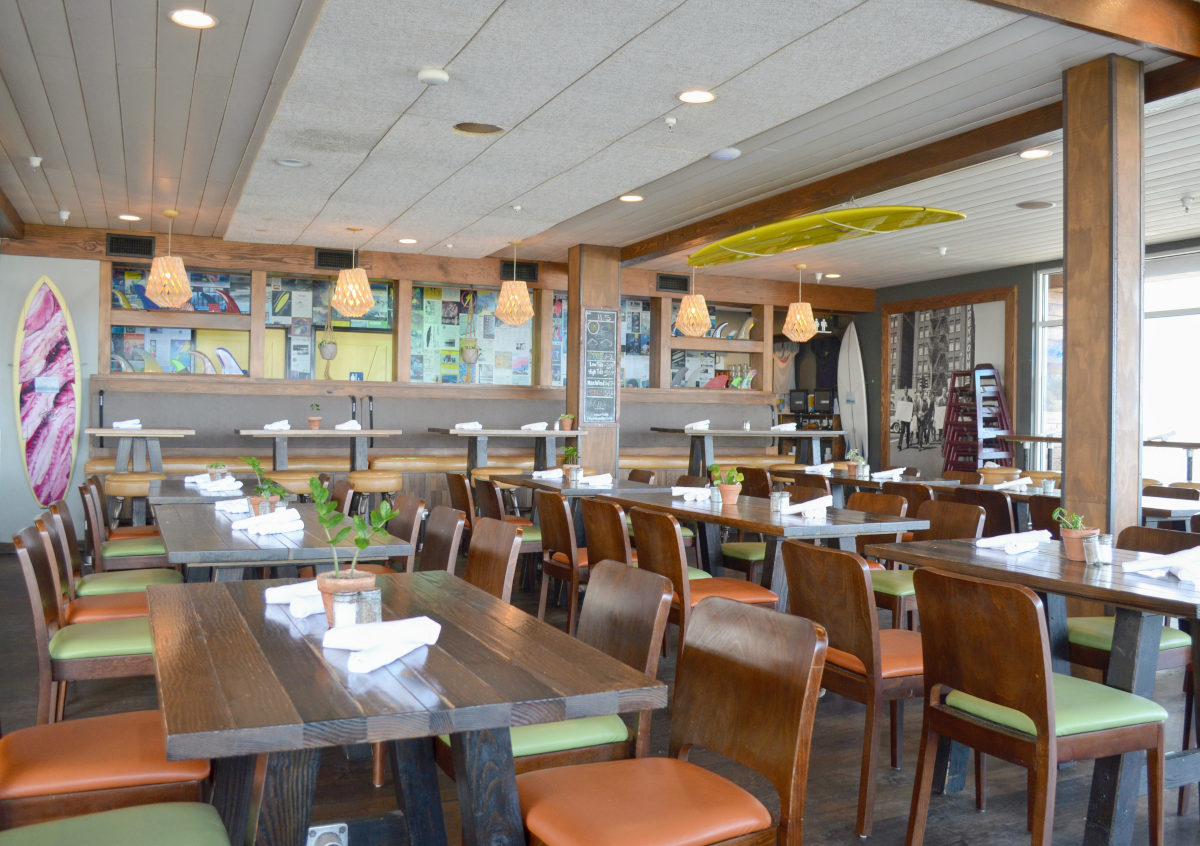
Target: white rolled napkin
[[691, 494], [540, 426], [1183, 565], [888, 475], [1013, 483], [1015, 543], [198, 479], [811, 508], [132, 423], [823, 469], [784, 427], [233, 506], [377, 644], [220, 486], [699, 424], [275, 528], [306, 606], [278, 425], [600, 480], [473, 424], [283, 594], [349, 426], [284, 515], [553, 473], [990, 464]]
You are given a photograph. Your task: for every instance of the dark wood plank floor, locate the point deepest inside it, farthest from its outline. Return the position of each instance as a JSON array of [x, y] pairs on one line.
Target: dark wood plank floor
[[345, 790]]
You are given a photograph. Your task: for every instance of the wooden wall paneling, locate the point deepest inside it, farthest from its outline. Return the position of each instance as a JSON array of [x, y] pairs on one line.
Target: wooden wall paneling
[[543, 335], [402, 342], [1102, 322], [104, 335], [258, 323], [593, 281], [764, 330], [660, 338]]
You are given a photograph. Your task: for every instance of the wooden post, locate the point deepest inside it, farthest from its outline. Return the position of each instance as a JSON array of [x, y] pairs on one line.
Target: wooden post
[[1103, 249], [593, 282]]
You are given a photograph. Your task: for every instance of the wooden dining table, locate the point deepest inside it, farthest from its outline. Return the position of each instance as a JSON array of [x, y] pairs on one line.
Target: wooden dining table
[[545, 443], [701, 454], [176, 492], [140, 444], [1141, 602], [359, 441], [238, 679], [839, 480]]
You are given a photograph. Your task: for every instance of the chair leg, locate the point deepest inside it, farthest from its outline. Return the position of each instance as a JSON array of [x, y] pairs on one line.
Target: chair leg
[[60, 704], [378, 764], [541, 615], [980, 781], [866, 774], [922, 788], [572, 605], [1044, 777], [1188, 719], [1154, 778], [896, 721]]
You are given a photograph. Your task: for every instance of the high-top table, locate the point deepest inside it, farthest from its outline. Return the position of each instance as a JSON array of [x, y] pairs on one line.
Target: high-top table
[[238, 678], [1189, 447], [839, 480], [1141, 602], [701, 455], [141, 443], [359, 438], [545, 443]]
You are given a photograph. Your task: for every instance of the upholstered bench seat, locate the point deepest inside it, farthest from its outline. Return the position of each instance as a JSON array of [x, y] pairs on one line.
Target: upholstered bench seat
[[899, 655], [423, 463], [102, 639], [176, 823], [190, 465], [1097, 633], [124, 581]]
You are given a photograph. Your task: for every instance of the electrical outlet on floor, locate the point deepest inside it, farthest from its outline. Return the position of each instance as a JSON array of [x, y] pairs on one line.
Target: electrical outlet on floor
[[335, 834]]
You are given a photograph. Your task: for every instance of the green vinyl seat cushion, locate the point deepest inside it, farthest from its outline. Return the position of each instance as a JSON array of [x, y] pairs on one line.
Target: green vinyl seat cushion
[[686, 531], [1079, 706], [1097, 633], [531, 534], [697, 573], [745, 550], [893, 582], [121, 547], [565, 734], [125, 581], [177, 823], [102, 639]]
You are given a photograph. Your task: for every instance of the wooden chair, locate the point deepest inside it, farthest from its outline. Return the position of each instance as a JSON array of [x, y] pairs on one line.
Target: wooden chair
[[1171, 491], [739, 661], [949, 520], [462, 499], [406, 525], [812, 480], [625, 616], [191, 823], [892, 588], [660, 550], [639, 475], [989, 685], [755, 482], [72, 652], [87, 609], [916, 493], [342, 493], [607, 532], [802, 493], [561, 557], [963, 477], [1041, 514], [443, 537], [863, 664], [136, 553], [997, 508], [95, 489], [492, 558], [95, 584]]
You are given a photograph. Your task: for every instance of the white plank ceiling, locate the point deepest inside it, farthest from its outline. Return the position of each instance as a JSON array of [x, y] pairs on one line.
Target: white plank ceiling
[[133, 114]]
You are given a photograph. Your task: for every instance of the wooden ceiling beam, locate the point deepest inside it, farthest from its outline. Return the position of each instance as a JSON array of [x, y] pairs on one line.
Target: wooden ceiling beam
[[11, 225], [1170, 25], [1009, 135]]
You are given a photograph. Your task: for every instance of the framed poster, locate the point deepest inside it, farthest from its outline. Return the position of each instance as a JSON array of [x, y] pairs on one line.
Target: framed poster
[[600, 365], [924, 342]]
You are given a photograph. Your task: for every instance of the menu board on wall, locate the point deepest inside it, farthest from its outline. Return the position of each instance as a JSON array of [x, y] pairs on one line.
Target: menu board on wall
[[600, 365]]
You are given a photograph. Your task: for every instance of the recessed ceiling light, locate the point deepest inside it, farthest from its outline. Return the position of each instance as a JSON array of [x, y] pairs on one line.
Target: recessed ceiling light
[[1035, 204], [130, 217], [833, 276], [696, 95], [291, 162], [193, 19], [1036, 154], [477, 129], [725, 154], [631, 198], [406, 241], [433, 76]]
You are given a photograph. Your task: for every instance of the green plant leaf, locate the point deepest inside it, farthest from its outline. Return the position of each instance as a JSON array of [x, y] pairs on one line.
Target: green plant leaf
[[329, 521], [340, 536]]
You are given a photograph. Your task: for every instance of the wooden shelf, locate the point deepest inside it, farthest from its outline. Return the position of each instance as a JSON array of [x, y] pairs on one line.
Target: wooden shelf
[[180, 319], [716, 345], [726, 396], [197, 383]]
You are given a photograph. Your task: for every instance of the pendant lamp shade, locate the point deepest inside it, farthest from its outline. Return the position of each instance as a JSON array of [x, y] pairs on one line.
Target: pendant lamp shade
[[352, 295], [513, 305], [692, 319], [168, 285], [799, 325]]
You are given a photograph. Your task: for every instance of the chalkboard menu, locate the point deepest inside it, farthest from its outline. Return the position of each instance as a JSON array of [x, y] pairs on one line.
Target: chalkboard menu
[[600, 366]]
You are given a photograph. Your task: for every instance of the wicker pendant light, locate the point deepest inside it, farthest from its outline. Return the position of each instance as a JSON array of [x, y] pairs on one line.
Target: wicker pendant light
[[352, 295], [514, 306], [799, 325], [692, 319], [168, 284]]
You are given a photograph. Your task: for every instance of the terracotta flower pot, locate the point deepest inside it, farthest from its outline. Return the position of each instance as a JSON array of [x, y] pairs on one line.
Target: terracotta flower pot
[[1072, 540], [566, 424], [256, 503], [314, 422], [344, 581], [729, 493]]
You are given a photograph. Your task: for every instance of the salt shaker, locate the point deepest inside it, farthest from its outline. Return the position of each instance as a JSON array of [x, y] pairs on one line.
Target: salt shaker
[[746, 425]]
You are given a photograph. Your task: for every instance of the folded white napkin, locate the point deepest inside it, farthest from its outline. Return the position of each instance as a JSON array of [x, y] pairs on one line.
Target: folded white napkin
[[823, 469], [784, 427], [692, 494], [811, 508], [278, 425], [306, 606], [275, 528], [600, 480], [474, 424], [284, 515], [888, 475], [990, 464], [349, 426], [377, 644], [699, 424], [536, 427], [133, 423], [553, 473], [1015, 543], [233, 506], [1183, 565], [1013, 483], [283, 594], [199, 478], [220, 486]]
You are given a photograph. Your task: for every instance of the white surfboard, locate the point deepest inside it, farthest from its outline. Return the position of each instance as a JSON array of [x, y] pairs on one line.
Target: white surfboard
[[852, 393]]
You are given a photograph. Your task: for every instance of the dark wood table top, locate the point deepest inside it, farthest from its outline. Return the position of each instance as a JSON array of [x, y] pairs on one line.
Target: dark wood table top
[[561, 486], [751, 433], [754, 514], [174, 492], [236, 676], [840, 477], [1163, 507], [509, 433], [199, 534], [1047, 569]]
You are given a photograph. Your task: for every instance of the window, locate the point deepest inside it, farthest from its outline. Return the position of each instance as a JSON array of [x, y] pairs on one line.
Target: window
[[635, 343], [1048, 365]]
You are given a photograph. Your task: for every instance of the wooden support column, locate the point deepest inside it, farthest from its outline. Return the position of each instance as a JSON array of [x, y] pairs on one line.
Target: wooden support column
[[593, 282], [1103, 249]]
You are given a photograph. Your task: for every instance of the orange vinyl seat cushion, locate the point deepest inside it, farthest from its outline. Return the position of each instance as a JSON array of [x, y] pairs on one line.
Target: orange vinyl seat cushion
[[636, 802], [119, 532], [735, 589], [900, 655], [110, 606], [94, 753], [580, 556]]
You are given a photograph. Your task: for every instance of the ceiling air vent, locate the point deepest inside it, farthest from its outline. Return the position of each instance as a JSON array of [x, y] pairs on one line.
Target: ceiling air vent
[[333, 259], [527, 271], [672, 283], [129, 246]]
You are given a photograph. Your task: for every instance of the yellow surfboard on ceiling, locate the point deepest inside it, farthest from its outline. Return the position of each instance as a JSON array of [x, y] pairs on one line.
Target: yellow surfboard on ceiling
[[819, 228]]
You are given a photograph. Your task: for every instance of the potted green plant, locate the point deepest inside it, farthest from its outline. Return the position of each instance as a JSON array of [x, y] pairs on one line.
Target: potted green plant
[[266, 491], [566, 422], [570, 465], [365, 529], [216, 470], [314, 419], [728, 482], [1073, 532]]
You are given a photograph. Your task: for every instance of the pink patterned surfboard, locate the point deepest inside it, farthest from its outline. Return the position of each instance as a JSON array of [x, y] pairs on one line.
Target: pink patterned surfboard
[[46, 391]]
